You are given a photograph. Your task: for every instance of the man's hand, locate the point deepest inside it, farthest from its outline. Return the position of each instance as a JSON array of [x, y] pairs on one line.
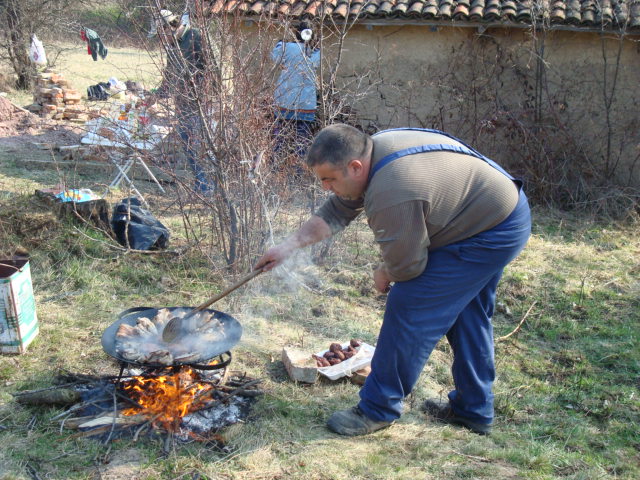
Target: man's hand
[[381, 279], [312, 231], [274, 257]]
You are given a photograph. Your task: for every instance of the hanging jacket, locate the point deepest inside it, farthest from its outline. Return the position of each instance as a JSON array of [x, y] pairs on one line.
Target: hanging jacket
[[95, 46]]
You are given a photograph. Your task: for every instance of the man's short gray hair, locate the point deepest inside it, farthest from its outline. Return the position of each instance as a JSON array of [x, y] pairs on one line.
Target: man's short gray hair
[[338, 144]]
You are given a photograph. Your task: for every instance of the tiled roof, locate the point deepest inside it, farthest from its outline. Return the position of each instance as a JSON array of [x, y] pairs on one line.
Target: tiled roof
[[579, 14]]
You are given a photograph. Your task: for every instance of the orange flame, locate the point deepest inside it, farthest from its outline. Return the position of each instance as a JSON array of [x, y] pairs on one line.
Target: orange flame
[[168, 398]]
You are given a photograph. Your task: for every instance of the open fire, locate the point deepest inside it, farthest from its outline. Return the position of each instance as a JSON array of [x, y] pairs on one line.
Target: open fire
[[166, 399], [183, 403]]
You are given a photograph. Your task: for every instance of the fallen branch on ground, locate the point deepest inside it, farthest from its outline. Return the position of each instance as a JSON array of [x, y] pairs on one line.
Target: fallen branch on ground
[[515, 330]]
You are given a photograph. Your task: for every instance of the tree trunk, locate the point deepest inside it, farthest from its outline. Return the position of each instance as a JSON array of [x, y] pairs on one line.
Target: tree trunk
[[17, 38]]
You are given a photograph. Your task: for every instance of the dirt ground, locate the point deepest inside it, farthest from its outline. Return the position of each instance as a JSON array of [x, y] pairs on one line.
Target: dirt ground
[[21, 130]]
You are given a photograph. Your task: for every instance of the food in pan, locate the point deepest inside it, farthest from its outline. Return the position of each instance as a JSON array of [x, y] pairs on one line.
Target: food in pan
[[142, 342], [337, 354]]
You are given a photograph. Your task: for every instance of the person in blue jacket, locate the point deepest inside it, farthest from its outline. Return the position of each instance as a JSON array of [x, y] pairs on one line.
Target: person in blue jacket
[[295, 93]]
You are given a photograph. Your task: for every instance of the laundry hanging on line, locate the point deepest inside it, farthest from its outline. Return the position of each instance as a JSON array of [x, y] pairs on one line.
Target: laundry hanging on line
[[95, 46]]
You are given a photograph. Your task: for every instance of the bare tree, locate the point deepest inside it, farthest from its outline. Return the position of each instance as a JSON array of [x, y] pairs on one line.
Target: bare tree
[[16, 39], [233, 98], [23, 18]]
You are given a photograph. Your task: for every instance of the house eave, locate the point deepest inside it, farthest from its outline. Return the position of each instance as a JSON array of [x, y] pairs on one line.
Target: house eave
[[485, 26], [480, 26]]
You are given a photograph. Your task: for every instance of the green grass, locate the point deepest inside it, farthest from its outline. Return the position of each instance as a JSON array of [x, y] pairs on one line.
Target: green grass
[[566, 395], [71, 61], [567, 392]]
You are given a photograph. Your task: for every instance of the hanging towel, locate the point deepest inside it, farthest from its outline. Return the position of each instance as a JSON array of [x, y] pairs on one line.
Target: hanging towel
[[95, 46]]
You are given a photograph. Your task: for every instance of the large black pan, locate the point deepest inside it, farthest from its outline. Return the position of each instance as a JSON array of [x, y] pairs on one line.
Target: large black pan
[[232, 333]]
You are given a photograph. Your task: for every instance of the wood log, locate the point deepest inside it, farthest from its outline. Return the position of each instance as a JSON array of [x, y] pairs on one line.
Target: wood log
[[63, 148], [109, 420], [91, 433], [17, 107], [61, 396], [96, 212], [75, 422]]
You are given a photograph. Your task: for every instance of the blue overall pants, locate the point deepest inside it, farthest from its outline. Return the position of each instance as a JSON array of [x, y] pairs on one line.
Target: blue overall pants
[[454, 296]]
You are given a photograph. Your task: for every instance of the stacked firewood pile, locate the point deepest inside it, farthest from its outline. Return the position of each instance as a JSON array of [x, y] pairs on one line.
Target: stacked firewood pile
[[55, 98]]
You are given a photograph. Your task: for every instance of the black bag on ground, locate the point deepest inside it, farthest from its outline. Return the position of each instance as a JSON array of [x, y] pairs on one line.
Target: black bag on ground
[[98, 91], [136, 228]]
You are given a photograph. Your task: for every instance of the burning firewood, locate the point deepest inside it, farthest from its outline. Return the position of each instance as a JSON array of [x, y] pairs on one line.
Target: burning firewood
[[183, 402], [110, 419], [62, 396]]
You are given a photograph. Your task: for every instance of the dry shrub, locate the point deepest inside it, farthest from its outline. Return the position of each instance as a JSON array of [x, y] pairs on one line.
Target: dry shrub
[[27, 225], [575, 145], [237, 136]]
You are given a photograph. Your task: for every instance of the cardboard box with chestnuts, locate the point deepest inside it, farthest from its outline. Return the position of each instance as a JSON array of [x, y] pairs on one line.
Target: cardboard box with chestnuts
[[350, 357], [339, 360]]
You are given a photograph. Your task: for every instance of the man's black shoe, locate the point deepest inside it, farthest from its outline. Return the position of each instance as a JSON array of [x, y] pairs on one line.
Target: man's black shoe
[[444, 413], [352, 422]]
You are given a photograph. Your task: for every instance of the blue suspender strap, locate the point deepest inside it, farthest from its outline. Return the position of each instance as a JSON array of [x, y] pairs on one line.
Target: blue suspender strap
[[465, 149]]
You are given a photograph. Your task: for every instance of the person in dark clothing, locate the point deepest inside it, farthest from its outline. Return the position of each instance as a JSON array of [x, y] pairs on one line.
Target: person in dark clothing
[[183, 79]]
